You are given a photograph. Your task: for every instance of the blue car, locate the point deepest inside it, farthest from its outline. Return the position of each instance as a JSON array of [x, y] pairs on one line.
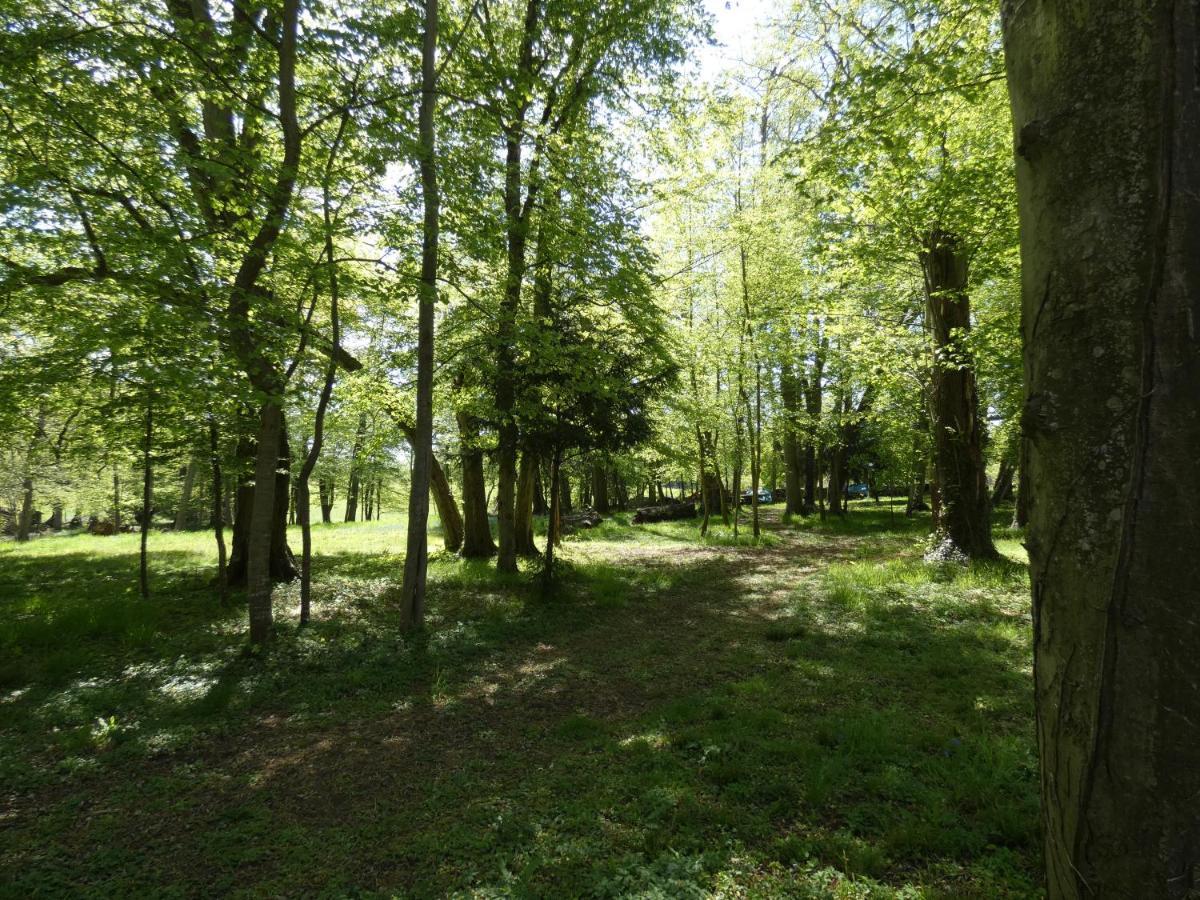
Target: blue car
[[857, 491]]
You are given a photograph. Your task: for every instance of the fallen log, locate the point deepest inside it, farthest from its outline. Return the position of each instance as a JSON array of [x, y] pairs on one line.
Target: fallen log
[[588, 518], [666, 513]]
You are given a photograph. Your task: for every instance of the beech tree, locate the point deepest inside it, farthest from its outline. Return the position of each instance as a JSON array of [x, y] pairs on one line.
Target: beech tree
[[1109, 212]]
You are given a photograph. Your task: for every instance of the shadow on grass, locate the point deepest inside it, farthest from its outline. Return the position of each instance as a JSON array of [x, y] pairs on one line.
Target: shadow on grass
[[662, 727]]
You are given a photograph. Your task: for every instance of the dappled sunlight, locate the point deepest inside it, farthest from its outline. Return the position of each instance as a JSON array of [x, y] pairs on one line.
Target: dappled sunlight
[[681, 712]]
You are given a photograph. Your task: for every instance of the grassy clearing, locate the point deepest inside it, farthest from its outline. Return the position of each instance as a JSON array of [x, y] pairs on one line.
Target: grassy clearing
[[821, 715]]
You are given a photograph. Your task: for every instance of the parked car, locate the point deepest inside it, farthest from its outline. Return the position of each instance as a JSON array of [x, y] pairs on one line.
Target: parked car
[[764, 496], [857, 491]]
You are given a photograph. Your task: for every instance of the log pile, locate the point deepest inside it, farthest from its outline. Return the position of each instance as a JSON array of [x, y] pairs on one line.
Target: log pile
[[666, 513]]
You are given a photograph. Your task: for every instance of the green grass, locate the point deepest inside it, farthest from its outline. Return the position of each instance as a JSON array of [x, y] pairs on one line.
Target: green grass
[[820, 714]]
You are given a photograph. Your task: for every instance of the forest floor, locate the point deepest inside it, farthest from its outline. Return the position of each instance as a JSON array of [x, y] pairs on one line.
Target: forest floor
[[818, 715]]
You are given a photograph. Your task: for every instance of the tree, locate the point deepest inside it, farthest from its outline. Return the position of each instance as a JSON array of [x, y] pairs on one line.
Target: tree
[[412, 592], [1108, 189]]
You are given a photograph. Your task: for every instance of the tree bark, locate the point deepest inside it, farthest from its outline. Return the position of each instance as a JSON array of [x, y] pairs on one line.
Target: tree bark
[[282, 563], [524, 505], [25, 517], [564, 490], [600, 486], [147, 500], [325, 488], [552, 526], [354, 488], [416, 560], [183, 511], [218, 519], [477, 530], [1107, 117], [262, 518], [964, 509]]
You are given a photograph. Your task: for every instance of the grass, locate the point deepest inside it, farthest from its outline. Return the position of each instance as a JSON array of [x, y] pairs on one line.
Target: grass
[[820, 714]]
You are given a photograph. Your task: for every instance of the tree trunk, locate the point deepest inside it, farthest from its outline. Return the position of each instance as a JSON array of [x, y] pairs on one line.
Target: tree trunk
[[793, 460], [260, 539], [600, 486], [1002, 490], [477, 530], [564, 490], [447, 508], [147, 500], [218, 519], [552, 526], [1107, 116], [25, 517], [540, 507], [355, 485], [523, 509], [283, 564], [416, 560], [964, 510], [325, 486], [183, 511], [116, 487]]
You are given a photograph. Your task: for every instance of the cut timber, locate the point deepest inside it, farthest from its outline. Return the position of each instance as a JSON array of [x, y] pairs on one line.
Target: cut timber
[[589, 518], [666, 513]]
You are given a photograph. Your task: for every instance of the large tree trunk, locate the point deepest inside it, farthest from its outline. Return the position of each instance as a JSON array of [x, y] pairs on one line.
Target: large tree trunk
[[564, 490], [600, 486], [477, 530], [260, 540], [524, 505], [1107, 116], [282, 563], [964, 509]]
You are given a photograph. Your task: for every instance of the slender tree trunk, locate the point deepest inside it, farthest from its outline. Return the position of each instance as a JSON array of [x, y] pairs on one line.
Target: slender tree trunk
[[416, 560], [25, 517], [183, 511], [355, 486], [218, 519], [540, 507], [756, 448], [1107, 117], [552, 526], [704, 500], [116, 490], [147, 499], [964, 518]]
